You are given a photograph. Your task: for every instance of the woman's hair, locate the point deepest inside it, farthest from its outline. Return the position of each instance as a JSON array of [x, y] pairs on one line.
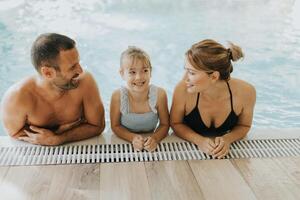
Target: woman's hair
[[134, 54], [208, 55]]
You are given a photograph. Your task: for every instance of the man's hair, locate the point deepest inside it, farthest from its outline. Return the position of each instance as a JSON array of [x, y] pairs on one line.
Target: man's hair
[[45, 49]]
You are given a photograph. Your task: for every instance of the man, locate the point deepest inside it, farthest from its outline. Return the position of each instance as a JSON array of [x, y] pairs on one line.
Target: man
[[60, 104]]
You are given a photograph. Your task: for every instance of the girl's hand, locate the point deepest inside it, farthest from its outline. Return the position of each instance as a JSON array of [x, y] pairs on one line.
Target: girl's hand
[[138, 143], [222, 148], [150, 144], [206, 145]]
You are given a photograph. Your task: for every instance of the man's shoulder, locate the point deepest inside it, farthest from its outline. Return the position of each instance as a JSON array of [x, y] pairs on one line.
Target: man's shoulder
[[20, 93], [87, 79]]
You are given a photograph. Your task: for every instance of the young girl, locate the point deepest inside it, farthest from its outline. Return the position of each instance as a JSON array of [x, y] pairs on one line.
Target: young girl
[[139, 107]]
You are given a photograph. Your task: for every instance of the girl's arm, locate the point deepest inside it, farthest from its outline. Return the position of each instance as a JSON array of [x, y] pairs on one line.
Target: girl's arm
[[180, 129], [163, 112], [115, 115]]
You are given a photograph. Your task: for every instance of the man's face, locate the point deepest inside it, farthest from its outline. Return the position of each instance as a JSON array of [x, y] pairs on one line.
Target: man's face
[[67, 77]]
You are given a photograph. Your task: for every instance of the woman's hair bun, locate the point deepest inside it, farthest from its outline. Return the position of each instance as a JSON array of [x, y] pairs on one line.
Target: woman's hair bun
[[235, 51]]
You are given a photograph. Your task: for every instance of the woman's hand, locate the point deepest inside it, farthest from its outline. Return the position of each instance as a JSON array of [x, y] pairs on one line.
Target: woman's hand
[[138, 143], [222, 147], [206, 145], [150, 144]]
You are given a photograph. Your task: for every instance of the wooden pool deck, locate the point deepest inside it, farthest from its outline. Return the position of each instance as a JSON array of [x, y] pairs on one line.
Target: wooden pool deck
[[259, 178]]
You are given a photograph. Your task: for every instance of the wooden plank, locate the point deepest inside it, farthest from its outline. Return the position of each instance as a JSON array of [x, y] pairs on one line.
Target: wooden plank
[[53, 182], [25, 183], [75, 182], [124, 181], [4, 187], [3, 171], [218, 179], [267, 179], [291, 166], [172, 180]]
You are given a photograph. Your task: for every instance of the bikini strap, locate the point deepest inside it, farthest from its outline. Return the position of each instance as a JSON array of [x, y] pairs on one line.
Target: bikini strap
[[230, 95]]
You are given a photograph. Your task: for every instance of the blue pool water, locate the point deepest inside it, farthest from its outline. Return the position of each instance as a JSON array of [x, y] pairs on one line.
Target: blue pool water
[[268, 32]]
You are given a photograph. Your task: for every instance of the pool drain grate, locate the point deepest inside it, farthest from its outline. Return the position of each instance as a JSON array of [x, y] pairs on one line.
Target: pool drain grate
[[103, 153]]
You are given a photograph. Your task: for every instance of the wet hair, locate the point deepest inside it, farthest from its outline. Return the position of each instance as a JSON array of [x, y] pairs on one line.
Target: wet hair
[[134, 54], [208, 55], [45, 49]]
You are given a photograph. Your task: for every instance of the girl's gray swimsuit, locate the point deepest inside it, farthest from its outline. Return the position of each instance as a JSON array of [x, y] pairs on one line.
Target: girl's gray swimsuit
[[136, 122]]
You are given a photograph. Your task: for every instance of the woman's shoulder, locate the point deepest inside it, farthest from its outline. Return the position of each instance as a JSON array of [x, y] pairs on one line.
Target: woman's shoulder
[[180, 87], [242, 88], [241, 84]]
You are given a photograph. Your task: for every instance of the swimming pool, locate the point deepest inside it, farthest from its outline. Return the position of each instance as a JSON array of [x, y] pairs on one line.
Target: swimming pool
[[268, 32]]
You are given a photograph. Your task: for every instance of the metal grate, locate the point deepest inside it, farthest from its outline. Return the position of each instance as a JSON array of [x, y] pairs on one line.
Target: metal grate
[[102, 153]]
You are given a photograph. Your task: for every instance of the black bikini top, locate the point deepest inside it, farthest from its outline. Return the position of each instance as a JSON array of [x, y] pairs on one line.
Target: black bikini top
[[195, 122]]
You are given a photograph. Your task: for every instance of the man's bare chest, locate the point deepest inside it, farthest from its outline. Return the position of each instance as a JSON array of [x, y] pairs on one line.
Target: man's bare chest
[[46, 113]]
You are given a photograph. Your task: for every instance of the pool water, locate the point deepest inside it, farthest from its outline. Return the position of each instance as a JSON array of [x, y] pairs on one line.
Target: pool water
[[267, 31]]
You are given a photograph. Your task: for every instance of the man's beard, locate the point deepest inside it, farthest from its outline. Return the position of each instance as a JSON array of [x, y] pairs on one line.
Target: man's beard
[[69, 85]]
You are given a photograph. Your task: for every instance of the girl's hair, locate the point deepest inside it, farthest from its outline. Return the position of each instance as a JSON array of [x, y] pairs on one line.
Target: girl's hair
[[134, 54], [208, 55]]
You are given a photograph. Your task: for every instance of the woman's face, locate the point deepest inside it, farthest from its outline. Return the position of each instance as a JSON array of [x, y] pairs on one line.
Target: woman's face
[[196, 80]]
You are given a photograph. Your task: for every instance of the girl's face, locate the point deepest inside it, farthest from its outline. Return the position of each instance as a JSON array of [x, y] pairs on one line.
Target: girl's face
[[136, 75], [196, 80]]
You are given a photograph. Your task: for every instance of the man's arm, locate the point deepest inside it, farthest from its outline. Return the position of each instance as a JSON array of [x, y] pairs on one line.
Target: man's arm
[[93, 114], [14, 107], [93, 125]]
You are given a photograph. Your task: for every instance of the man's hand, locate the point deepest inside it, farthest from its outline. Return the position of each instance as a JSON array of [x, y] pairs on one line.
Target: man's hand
[[64, 127], [138, 142], [40, 136], [150, 144]]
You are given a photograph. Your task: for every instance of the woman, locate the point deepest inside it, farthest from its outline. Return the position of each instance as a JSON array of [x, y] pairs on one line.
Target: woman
[[210, 108]]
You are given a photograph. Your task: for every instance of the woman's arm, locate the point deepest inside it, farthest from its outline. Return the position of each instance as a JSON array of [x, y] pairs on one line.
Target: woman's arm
[[176, 121], [248, 97], [246, 116]]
